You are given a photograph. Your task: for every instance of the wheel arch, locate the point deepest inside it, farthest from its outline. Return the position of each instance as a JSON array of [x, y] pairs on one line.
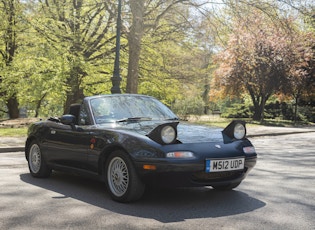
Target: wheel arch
[[105, 155], [28, 142], [122, 182]]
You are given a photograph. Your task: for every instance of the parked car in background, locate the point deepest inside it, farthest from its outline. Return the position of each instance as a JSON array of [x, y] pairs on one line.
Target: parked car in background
[[131, 141]]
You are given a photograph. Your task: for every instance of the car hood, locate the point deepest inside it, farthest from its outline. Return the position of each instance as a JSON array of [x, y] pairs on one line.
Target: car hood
[[186, 132], [192, 133]]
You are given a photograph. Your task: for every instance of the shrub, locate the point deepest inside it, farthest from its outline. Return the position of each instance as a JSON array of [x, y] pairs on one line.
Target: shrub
[[237, 111], [191, 105]]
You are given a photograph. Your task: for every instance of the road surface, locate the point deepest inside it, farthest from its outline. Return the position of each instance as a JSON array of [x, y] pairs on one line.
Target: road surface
[[279, 193]]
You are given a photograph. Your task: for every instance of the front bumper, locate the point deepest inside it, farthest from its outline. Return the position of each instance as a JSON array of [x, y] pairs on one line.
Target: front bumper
[[191, 174]]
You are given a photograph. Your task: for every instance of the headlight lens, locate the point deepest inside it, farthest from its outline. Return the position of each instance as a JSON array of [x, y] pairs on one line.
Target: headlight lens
[[182, 154], [168, 134], [239, 131]]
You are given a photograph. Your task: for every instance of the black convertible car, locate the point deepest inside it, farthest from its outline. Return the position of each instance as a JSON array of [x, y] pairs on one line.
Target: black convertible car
[[130, 141]]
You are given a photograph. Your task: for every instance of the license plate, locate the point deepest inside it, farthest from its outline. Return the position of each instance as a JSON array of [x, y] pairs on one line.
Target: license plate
[[221, 165]]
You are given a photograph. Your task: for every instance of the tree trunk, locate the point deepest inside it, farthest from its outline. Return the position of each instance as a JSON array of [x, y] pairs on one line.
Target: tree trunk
[[39, 103], [296, 108], [134, 44], [257, 114], [259, 108], [13, 107], [9, 38], [75, 94], [259, 102]]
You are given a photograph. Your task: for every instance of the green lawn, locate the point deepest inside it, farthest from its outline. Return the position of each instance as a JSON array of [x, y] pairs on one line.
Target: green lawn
[[22, 131], [223, 122], [13, 132]]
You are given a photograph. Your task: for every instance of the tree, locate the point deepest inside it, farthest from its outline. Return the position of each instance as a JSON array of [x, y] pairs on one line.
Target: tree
[[80, 32], [256, 61], [302, 72], [173, 60], [10, 10], [146, 16]]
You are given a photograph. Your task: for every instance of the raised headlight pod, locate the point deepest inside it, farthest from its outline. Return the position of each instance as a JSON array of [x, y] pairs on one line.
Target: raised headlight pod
[[165, 133], [239, 131], [168, 134], [235, 130]]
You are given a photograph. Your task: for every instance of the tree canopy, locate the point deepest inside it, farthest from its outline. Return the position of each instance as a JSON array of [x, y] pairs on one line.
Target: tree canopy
[[256, 60], [53, 53]]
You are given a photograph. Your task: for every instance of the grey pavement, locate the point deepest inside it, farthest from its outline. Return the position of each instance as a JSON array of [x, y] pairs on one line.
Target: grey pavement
[[16, 144], [12, 144], [261, 130]]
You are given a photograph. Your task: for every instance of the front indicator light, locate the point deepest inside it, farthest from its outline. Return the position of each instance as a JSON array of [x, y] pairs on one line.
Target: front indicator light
[[249, 149], [149, 167], [183, 154]]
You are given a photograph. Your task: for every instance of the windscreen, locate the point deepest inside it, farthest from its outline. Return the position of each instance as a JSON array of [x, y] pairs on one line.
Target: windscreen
[[115, 108]]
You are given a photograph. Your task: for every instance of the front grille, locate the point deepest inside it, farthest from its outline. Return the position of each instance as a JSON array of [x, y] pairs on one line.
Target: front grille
[[204, 176]]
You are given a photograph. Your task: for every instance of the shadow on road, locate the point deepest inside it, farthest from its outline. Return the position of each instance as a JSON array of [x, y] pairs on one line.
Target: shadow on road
[[164, 205]]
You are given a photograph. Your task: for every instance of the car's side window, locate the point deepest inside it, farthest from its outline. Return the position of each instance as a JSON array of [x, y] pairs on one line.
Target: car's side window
[[83, 116]]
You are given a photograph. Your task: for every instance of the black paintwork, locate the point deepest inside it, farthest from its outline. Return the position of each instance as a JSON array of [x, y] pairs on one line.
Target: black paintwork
[[80, 145]]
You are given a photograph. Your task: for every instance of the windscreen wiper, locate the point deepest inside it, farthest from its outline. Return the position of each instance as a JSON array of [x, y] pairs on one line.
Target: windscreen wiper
[[172, 119], [134, 119]]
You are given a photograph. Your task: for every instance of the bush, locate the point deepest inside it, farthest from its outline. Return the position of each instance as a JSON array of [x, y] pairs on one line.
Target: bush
[[3, 109], [193, 106], [273, 110], [237, 111], [284, 111], [308, 112]]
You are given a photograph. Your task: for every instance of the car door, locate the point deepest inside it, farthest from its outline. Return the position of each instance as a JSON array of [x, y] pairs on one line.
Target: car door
[[67, 146]]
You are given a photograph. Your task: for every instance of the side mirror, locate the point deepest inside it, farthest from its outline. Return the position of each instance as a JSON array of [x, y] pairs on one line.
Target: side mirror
[[68, 119]]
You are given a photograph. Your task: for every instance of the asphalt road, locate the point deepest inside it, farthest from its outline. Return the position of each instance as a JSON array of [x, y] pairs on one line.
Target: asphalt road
[[278, 194]]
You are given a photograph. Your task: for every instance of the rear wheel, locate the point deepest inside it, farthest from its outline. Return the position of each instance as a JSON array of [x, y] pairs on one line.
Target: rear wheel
[[122, 181], [36, 163]]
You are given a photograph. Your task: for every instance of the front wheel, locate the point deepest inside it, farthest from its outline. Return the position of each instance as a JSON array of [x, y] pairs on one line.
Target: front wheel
[[36, 163], [122, 180]]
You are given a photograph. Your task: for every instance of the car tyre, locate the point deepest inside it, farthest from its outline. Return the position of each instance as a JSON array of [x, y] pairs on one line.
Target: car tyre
[[36, 162], [123, 183], [226, 187]]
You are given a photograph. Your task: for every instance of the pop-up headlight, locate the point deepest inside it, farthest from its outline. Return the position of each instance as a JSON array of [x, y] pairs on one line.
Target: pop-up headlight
[[168, 134], [239, 131], [165, 133], [235, 130]]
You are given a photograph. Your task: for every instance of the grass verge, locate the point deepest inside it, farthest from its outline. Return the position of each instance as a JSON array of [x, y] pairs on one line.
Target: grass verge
[[13, 132], [223, 122]]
